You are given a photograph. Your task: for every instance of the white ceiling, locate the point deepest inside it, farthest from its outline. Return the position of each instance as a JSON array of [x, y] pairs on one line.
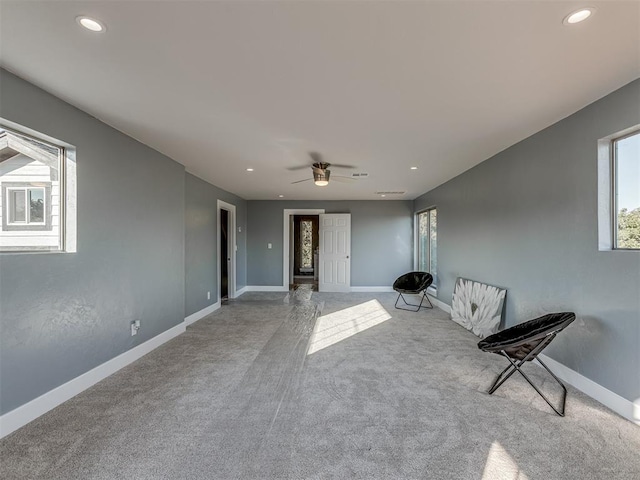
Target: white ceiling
[[220, 86]]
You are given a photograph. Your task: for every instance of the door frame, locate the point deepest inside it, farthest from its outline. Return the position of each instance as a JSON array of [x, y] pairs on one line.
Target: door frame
[[285, 238], [231, 248]]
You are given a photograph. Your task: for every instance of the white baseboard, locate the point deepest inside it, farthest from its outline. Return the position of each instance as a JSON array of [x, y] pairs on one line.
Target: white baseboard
[[439, 304], [615, 402], [382, 289], [28, 412], [194, 317], [241, 291], [265, 288], [436, 303]]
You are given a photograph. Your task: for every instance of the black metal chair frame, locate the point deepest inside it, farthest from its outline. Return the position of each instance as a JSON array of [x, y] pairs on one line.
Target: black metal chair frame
[[516, 364], [424, 295], [421, 289]]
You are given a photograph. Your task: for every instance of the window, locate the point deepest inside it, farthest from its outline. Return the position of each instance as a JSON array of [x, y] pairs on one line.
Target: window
[[427, 242], [37, 193], [25, 206], [306, 239], [626, 195]]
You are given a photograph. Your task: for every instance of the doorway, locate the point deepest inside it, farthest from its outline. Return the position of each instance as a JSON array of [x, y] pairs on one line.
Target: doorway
[[224, 255], [226, 251], [288, 242], [304, 251]]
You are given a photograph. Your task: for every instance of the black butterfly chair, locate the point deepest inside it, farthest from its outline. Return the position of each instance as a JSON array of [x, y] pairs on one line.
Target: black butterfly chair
[[523, 343], [414, 283]]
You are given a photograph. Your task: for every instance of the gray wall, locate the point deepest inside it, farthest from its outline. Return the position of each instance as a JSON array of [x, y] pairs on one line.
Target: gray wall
[[526, 219], [63, 314], [381, 239], [201, 245]]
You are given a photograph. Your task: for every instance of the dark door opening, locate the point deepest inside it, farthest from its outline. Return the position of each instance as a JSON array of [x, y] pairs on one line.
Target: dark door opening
[[305, 249], [224, 254]]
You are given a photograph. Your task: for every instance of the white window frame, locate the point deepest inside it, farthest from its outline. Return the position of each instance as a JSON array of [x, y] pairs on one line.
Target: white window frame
[[607, 202], [67, 188], [27, 206], [433, 288], [614, 189]]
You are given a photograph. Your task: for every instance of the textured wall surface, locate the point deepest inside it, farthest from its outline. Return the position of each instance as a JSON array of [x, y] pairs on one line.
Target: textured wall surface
[[526, 220], [63, 314], [201, 243], [381, 239]]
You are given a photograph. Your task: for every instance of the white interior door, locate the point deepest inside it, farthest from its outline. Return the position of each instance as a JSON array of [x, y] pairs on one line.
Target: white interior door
[[335, 252]]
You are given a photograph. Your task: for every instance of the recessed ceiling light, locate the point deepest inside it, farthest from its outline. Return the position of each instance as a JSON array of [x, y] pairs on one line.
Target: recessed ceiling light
[[414, 168], [249, 169], [383, 195], [280, 196], [91, 24], [578, 16]]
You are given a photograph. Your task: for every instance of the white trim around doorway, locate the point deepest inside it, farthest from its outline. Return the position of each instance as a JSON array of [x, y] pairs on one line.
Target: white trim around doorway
[[232, 248], [285, 239]]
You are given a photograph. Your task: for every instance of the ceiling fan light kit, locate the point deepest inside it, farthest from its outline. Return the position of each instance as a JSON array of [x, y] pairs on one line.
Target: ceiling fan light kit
[[321, 172], [321, 176]]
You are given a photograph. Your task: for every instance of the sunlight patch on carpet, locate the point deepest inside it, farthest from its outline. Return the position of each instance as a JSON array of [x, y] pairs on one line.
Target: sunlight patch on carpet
[[500, 465], [337, 326]]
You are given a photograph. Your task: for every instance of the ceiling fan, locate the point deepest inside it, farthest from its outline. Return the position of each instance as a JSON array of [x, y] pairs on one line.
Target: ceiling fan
[[321, 172]]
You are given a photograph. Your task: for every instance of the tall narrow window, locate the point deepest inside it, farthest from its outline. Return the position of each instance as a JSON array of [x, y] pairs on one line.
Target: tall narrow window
[[306, 240], [427, 242], [626, 168]]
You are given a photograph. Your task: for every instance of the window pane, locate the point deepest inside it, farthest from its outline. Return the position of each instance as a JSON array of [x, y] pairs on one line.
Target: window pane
[[423, 241], [36, 204], [427, 242], [17, 206], [627, 169], [30, 181], [433, 225], [306, 239]]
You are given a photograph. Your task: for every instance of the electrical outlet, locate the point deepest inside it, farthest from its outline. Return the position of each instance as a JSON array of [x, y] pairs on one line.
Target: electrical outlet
[[208, 295], [269, 245]]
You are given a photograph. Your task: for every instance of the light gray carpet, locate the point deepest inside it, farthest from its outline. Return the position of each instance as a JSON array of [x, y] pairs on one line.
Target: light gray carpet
[[237, 397]]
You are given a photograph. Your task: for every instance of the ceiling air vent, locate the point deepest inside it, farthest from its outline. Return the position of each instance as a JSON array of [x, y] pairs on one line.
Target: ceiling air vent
[[390, 193], [359, 175]]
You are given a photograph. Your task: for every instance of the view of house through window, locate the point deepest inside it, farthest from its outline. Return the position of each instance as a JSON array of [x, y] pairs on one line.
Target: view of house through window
[[30, 203], [626, 153], [427, 242]]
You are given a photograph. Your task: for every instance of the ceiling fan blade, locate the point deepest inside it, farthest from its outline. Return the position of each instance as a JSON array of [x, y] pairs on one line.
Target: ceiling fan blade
[[299, 167], [340, 165], [340, 178], [316, 157], [300, 181]]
